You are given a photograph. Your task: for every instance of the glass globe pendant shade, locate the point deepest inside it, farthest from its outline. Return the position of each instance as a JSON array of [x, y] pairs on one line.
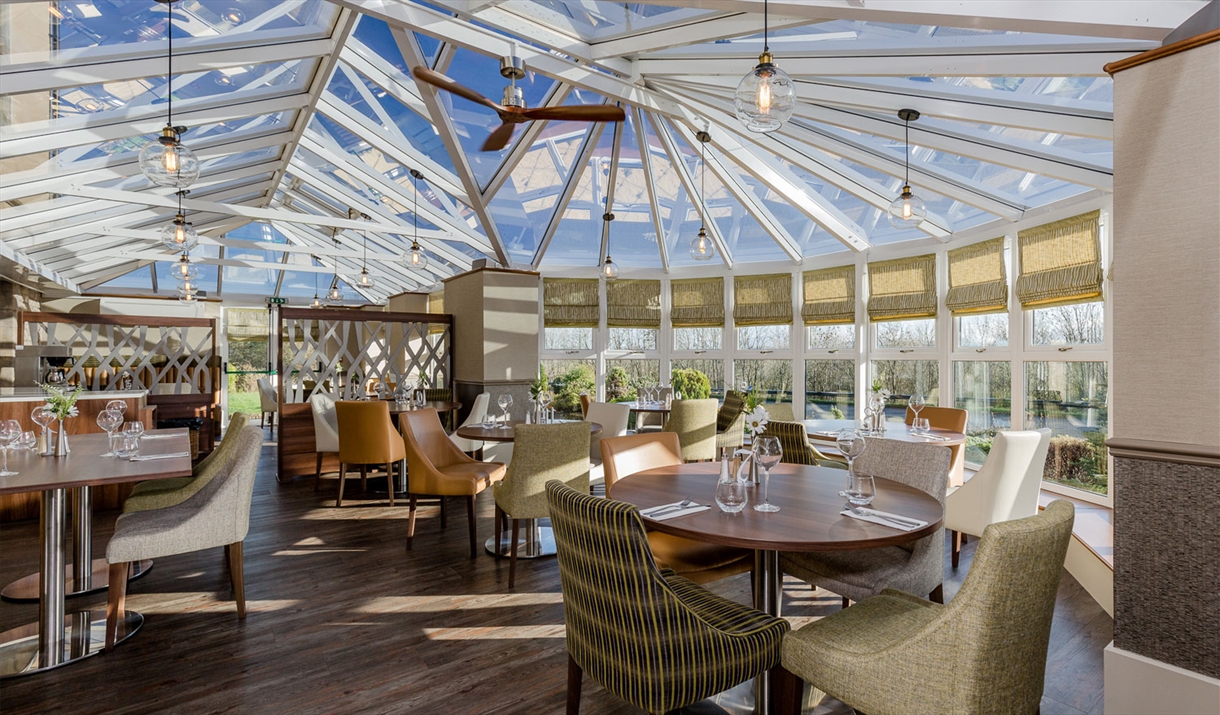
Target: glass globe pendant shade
[[609, 270], [316, 302], [184, 270], [701, 247], [908, 210], [167, 162], [335, 294], [416, 258], [365, 280], [179, 236], [765, 97], [188, 291]]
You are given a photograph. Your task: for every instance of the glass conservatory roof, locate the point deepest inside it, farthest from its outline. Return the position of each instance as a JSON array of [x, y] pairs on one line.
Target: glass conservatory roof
[[300, 110]]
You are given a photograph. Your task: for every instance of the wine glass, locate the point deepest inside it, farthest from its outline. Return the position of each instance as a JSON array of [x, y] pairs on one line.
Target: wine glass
[[916, 402], [119, 406], [109, 420], [27, 441], [504, 401], [768, 452], [851, 444], [544, 399], [43, 417], [10, 431]]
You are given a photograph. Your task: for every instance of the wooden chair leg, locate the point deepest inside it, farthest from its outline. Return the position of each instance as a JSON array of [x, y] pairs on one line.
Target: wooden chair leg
[[575, 676], [411, 522], [237, 578], [938, 594], [846, 601], [317, 475], [786, 691], [955, 546], [499, 530], [389, 480], [364, 477], [342, 479], [474, 531], [512, 555], [444, 515], [116, 600]]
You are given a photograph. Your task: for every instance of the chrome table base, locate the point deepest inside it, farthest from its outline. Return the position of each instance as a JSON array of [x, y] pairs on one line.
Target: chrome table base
[[25, 589], [539, 542], [83, 636]]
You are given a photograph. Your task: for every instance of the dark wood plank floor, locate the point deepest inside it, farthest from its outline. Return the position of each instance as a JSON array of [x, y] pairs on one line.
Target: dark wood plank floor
[[342, 619]]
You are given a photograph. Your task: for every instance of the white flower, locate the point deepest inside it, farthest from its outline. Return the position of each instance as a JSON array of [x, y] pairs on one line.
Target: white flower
[[756, 421]]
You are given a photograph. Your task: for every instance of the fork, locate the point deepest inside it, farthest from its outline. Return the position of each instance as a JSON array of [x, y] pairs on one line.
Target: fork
[[877, 515], [673, 507]]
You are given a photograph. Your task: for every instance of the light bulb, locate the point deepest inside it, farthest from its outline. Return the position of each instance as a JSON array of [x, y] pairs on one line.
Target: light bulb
[[609, 270], [365, 280], [334, 295], [179, 236], [701, 247], [167, 162], [765, 97], [416, 258], [184, 270], [316, 303], [908, 210]]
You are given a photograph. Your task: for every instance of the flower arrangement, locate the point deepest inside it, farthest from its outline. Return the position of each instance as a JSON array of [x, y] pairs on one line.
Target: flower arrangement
[[539, 385], [879, 390], [61, 402], [756, 420]]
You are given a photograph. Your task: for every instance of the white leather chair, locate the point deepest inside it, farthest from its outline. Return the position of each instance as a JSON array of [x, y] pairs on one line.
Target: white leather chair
[[478, 413], [1005, 488], [613, 419], [269, 402], [325, 430]]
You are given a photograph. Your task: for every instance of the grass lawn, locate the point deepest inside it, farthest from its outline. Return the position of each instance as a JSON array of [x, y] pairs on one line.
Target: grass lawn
[[244, 402]]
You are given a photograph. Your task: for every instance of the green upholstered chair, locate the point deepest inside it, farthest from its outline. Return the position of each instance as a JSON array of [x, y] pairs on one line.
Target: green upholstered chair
[[731, 421], [650, 637], [694, 421], [442, 394], [161, 493], [917, 567], [541, 453], [795, 442], [781, 411], [982, 654]]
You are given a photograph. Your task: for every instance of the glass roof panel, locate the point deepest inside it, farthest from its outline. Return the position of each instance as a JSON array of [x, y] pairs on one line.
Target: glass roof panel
[[633, 235], [418, 130], [592, 18], [129, 147], [139, 279], [208, 272], [679, 220], [578, 237], [242, 279]]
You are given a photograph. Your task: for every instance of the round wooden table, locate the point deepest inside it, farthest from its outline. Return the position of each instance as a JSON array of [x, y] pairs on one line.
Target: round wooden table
[[808, 519], [651, 407], [538, 541], [827, 430], [440, 406]]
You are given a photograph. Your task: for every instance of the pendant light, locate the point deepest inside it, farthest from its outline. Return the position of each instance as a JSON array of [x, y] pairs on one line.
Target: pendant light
[[166, 161], [416, 258], [316, 302], [765, 97], [334, 296], [365, 280], [908, 210], [180, 236], [609, 270], [184, 270], [701, 247]]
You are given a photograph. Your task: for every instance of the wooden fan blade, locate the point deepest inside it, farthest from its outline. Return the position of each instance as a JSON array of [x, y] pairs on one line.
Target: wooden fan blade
[[583, 113], [498, 139], [440, 81]]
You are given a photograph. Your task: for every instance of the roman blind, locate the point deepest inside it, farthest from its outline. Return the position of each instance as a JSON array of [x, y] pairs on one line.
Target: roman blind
[[436, 304], [762, 300], [244, 325], [978, 282], [633, 304], [569, 302], [1060, 262], [697, 303], [902, 289], [830, 296]]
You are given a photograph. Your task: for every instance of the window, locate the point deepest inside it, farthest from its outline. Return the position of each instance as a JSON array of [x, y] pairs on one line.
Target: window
[[568, 379], [906, 334], [568, 338], [697, 339], [764, 337], [830, 389], [982, 331], [772, 379], [830, 337], [1070, 399], [904, 378], [632, 339], [625, 377], [713, 369], [984, 390], [1079, 324]]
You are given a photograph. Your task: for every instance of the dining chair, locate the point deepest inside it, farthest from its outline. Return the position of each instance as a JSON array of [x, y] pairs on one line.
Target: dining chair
[[325, 430], [216, 515], [647, 635], [613, 418], [367, 437], [917, 567], [698, 561], [694, 421], [478, 413], [781, 411], [541, 453], [442, 394], [1005, 487], [162, 493], [731, 421], [269, 401], [953, 420], [437, 468], [653, 421], [982, 654], [585, 401], [794, 440]]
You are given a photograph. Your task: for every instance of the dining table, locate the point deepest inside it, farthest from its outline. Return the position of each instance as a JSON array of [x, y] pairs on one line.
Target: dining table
[[60, 637], [809, 519], [827, 430], [441, 406], [655, 407], [539, 540]]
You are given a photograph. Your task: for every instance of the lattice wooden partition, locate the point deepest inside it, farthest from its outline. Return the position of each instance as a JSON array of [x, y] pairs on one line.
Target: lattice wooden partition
[[340, 352]]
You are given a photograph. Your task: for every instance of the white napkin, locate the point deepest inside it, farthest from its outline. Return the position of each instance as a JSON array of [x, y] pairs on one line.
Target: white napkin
[[827, 433], [933, 437], [875, 517], [663, 514], [146, 457]]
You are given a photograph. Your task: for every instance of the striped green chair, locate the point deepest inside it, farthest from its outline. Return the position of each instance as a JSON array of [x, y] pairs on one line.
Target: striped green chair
[[650, 637], [442, 394], [982, 654], [795, 442], [162, 493], [731, 421]]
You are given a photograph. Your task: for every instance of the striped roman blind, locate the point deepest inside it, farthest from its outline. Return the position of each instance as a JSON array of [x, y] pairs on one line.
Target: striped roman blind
[[569, 302], [633, 304], [1060, 262], [697, 303], [902, 289], [830, 296], [762, 300], [978, 282]]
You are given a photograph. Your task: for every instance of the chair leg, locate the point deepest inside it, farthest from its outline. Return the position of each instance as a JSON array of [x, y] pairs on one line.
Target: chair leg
[[846, 601], [116, 600], [474, 531], [317, 476], [512, 554], [411, 522], [499, 530], [444, 515], [364, 477], [389, 480], [342, 479], [786, 691], [237, 577], [575, 676], [938, 594], [955, 546]]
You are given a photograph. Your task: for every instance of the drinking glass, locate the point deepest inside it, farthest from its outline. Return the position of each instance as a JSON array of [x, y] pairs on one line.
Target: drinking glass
[[731, 495], [851, 444], [504, 401], [544, 399], [916, 403], [109, 420], [27, 441], [921, 425], [861, 488], [43, 417], [768, 452], [118, 405], [10, 431], [131, 444]]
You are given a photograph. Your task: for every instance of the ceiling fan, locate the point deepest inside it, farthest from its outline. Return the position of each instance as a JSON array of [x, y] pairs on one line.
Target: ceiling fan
[[513, 110]]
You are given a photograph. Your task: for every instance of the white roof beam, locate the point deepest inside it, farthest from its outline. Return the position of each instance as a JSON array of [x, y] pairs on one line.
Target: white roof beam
[[608, 207], [694, 30], [688, 181], [580, 165], [654, 205]]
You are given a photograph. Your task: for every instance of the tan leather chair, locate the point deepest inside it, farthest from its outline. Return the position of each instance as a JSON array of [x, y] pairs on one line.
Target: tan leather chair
[[695, 560], [954, 420], [436, 467], [366, 436], [585, 401]]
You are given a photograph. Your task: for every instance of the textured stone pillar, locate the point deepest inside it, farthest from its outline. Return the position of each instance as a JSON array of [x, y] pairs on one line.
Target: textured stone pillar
[[13, 299]]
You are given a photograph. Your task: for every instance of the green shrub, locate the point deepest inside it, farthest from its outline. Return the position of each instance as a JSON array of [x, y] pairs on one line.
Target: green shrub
[[568, 387], [1076, 461], [618, 386], [836, 413], [691, 384]]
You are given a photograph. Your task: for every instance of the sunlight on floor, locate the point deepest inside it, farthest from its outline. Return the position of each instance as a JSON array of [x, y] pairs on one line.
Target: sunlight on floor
[[426, 604], [494, 633], [200, 602]]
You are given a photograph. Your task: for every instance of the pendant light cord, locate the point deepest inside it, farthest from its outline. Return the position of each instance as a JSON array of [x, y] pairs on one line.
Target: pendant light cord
[[169, 79], [907, 139], [766, 45], [703, 178]]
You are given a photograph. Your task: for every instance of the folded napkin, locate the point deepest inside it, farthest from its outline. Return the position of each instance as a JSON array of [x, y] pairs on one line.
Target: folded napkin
[[902, 523], [826, 433], [176, 455], [933, 437], [670, 511]]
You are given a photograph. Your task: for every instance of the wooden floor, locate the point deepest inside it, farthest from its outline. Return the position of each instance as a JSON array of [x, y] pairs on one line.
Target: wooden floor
[[342, 619]]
